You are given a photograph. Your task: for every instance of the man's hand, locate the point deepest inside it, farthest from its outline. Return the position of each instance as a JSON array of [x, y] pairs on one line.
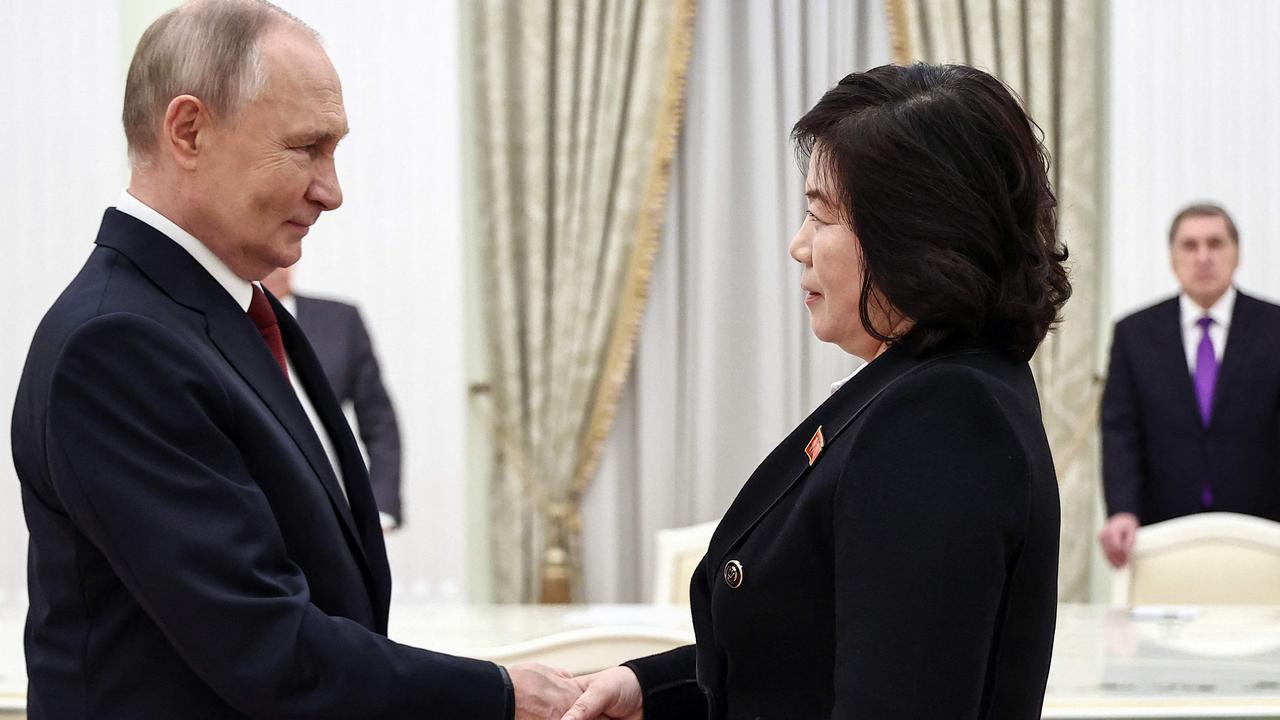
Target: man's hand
[[542, 693], [614, 694], [1117, 538]]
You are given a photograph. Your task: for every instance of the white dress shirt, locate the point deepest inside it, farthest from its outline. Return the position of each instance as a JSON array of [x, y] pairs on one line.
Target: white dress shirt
[[239, 289], [1218, 329]]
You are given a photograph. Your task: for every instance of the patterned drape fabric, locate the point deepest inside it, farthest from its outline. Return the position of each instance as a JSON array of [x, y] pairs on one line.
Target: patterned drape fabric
[[575, 108], [1048, 51]]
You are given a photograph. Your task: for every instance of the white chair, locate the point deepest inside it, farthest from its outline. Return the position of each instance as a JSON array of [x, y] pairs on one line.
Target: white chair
[[679, 550], [589, 650], [1202, 559]]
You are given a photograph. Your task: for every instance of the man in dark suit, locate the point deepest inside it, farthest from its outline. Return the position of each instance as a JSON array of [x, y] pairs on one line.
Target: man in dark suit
[[195, 551], [1191, 411], [342, 344]]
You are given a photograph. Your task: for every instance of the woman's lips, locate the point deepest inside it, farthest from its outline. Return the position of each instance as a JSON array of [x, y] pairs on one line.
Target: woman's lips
[[811, 297]]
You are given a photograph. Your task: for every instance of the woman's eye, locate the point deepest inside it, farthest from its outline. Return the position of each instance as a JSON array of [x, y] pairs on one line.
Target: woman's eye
[[813, 217]]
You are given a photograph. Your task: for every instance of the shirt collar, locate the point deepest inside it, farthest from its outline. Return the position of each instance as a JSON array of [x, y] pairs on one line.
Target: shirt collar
[[1220, 312], [239, 288], [840, 383]]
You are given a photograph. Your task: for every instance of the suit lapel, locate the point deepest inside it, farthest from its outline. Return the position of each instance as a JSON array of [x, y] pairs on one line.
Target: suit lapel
[[1241, 338], [788, 464], [233, 333], [240, 343], [359, 501], [1171, 354]]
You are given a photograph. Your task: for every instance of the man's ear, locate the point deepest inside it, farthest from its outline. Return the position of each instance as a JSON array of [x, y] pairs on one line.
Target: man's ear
[[185, 132]]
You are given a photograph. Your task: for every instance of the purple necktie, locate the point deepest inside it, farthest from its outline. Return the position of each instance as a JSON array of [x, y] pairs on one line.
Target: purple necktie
[[1206, 377]]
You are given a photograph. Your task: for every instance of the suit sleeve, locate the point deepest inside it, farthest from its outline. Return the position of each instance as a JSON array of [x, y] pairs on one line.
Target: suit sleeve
[[670, 685], [928, 516], [669, 680], [1122, 474], [143, 452], [376, 418]]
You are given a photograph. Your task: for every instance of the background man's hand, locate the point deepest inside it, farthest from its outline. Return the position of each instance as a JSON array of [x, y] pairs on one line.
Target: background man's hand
[[542, 693], [1117, 538], [614, 694]]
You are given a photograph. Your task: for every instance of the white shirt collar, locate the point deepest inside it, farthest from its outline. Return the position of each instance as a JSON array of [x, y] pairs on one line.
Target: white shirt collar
[[1220, 312], [840, 383], [239, 288]]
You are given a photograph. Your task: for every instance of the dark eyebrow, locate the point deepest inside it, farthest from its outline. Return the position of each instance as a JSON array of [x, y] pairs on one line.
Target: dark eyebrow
[[816, 194]]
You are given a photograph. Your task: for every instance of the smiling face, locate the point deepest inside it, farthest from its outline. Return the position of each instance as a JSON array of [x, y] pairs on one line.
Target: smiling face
[[832, 260], [265, 177], [1204, 257]]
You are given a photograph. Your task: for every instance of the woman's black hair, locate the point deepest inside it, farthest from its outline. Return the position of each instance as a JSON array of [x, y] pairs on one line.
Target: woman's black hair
[[944, 179]]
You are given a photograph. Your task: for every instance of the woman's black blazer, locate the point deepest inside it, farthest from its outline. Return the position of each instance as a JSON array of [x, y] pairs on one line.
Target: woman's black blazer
[[909, 571]]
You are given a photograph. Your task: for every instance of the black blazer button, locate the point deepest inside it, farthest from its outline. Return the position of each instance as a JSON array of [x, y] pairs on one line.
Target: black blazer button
[[733, 574]]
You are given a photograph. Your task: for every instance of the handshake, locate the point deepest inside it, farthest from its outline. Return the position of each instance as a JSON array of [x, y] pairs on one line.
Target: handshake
[[544, 693]]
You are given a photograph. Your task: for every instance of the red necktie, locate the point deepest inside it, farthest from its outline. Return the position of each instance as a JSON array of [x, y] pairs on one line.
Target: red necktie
[[265, 318]]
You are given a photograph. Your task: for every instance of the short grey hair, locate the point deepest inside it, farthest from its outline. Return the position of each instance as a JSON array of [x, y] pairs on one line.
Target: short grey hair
[[1204, 209], [206, 48]]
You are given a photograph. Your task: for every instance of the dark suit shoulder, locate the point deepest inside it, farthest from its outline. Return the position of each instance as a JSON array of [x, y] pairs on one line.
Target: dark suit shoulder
[[1152, 314], [1264, 308], [968, 384], [327, 306]]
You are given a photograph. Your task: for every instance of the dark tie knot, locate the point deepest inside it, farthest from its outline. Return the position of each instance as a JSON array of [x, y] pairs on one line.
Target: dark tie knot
[[1203, 322], [260, 310]]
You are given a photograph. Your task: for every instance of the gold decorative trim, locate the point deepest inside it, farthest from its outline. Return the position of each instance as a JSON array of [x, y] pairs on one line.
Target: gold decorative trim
[[899, 30], [635, 291]]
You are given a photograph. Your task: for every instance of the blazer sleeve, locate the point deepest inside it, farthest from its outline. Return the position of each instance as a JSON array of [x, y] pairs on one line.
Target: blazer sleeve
[[376, 417], [670, 686], [143, 453], [1122, 441], [928, 516]]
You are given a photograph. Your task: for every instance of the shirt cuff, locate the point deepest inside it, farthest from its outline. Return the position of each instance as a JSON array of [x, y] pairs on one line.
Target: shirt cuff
[[510, 691]]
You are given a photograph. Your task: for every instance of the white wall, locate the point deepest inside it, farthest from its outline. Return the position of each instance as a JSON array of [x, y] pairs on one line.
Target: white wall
[[61, 163], [1195, 114], [395, 246]]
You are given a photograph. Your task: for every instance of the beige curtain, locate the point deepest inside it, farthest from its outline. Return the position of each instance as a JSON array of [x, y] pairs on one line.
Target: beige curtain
[[1049, 51], [576, 114]]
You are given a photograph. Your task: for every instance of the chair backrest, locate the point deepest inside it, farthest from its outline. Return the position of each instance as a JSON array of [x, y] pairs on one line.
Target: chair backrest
[[679, 550], [1202, 559]]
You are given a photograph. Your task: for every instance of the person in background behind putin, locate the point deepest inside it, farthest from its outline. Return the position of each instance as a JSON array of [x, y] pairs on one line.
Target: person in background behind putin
[[194, 550], [895, 558], [1191, 408], [338, 335]]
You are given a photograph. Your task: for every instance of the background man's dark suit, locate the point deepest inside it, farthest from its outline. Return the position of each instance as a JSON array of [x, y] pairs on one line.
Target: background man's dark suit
[[341, 342], [192, 553], [1156, 451]]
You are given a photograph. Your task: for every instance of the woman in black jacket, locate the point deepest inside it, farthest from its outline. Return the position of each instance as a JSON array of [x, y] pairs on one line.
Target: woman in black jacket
[[896, 556]]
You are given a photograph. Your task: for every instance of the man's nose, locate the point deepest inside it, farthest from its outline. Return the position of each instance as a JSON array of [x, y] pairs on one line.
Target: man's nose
[[325, 188]]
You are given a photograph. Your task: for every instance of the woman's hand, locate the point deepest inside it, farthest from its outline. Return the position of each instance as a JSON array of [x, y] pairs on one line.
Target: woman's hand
[[614, 694]]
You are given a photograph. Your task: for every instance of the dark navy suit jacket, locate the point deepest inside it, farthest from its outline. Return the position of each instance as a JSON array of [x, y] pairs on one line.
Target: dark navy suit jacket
[[1156, 452], [910, 572], [341, 342], [191, 553]]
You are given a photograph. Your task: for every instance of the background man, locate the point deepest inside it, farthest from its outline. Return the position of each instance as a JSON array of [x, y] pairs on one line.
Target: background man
[[1191, 410], [344, 349], [195, 552]]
